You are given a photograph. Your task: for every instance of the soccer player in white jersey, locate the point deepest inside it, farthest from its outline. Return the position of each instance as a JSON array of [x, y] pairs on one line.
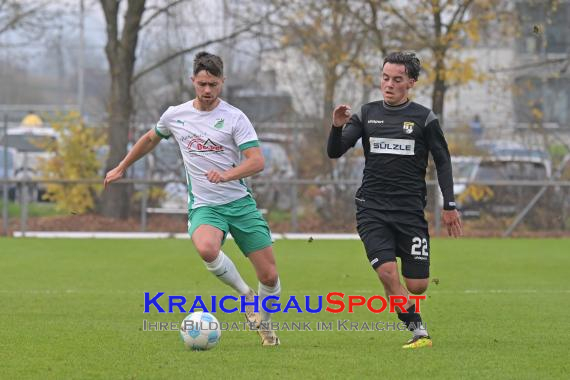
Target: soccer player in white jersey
[[211, 135]]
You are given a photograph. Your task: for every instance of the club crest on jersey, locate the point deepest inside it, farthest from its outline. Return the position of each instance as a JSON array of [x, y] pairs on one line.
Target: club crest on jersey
[[408, 127], [219, 124], [199, 145]]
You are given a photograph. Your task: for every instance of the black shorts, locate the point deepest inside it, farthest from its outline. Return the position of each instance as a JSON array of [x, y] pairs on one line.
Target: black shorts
[[390, 234]]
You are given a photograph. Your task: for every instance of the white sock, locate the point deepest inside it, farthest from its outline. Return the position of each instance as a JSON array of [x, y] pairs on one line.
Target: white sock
[[420, 330], [265, 291], [224, 269]]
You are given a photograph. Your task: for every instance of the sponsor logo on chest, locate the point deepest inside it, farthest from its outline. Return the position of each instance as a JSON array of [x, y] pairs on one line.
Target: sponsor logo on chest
[[392, 146], [198, 144]]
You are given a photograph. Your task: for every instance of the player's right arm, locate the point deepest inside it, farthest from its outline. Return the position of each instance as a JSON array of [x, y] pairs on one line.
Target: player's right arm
[[144, 145], [345, 132]]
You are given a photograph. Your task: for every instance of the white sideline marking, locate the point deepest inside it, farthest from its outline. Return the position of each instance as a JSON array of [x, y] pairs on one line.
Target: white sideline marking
[[167, 235], [93, 235]]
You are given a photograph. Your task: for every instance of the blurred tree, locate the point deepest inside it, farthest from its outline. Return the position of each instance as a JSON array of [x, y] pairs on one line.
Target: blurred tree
[[330, 36], [444, 28], [120, 50], [324, 31], [22, 17], [30, 37], [74, 157]]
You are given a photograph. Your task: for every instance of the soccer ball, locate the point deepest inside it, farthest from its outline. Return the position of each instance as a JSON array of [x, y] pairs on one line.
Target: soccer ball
[[200, 331]]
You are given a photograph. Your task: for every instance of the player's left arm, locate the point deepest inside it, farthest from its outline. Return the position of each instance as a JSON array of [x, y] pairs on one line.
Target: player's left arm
[[252, 164], [440, 153]]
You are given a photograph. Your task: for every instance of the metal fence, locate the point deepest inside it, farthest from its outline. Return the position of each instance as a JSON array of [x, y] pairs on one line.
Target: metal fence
[[490, 208], [293, 204]]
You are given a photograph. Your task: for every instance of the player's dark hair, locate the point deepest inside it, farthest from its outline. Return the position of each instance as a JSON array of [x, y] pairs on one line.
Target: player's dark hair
[[209, 62], [409, 60]]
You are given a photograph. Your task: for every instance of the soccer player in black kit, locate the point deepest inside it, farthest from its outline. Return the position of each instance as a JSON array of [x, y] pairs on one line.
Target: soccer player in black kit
[[397, 135]]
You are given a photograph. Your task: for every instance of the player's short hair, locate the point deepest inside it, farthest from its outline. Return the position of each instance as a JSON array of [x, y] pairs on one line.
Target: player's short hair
[[408, 59], [209, 62]]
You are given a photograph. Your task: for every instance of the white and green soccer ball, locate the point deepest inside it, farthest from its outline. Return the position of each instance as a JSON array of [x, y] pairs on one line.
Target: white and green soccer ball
[[200, 331]]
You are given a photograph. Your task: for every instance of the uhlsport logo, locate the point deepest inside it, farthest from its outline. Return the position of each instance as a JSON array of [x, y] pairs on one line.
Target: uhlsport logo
[[198, 145], [219, 124], [408, 127]]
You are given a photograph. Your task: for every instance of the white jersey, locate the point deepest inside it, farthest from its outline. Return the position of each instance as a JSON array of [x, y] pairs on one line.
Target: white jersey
[[209, 140]]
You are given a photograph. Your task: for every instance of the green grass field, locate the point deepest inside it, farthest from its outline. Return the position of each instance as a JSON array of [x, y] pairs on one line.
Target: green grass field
[[74, 309]]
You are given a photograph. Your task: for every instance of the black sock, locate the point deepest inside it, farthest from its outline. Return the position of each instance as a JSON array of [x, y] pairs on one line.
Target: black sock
[[412, 319]]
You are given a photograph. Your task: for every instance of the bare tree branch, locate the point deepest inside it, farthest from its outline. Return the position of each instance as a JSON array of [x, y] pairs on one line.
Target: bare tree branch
[[161, 11], [372, 25], [458, 16], [172, 56], [110, 9], [412, 27], [18, 17]]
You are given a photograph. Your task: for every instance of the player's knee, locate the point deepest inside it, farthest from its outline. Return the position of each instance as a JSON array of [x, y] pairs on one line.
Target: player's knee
[[417, 286], [269, 276], [388, 274], [207, 250], [417, 289]]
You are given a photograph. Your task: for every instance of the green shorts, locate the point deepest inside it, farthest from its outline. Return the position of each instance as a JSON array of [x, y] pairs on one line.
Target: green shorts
[[241, 218]]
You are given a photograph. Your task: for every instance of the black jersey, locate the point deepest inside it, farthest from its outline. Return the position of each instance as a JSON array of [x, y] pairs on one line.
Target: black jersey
[[396, 142]]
